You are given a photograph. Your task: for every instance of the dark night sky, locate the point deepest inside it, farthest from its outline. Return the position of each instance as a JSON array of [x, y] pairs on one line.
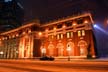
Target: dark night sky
[[40, 8], [47, 10]]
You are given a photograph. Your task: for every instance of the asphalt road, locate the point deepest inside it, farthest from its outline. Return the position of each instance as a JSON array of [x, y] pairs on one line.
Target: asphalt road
[[53, 66]]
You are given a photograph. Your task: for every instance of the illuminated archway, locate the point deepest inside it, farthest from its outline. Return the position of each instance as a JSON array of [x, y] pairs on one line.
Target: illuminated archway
[[71, 45], [82, 47], [60, 49]]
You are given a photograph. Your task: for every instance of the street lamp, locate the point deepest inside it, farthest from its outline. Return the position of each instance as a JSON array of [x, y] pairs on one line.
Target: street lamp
[[40, 34], [68, 49], [43, 51], [1, 52]]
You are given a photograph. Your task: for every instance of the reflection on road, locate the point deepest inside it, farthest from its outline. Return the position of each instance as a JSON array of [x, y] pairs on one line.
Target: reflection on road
[[52, 66]]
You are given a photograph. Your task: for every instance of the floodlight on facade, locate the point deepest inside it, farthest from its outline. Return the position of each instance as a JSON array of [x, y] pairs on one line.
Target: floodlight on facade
[[94, 25], [40, 33]]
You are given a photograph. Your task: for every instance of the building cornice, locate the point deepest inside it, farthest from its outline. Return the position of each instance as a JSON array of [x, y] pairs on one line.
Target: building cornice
[[19, 28], [67, 19], [47, 24]]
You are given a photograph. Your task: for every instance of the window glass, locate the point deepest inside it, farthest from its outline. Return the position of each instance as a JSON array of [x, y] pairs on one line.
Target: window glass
[[67, 34], [83, 32], [58, 36], [61, 36], [79, 33]]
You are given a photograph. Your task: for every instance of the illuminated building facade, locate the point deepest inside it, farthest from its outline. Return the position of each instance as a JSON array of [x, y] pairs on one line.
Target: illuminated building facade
[[72, 36]]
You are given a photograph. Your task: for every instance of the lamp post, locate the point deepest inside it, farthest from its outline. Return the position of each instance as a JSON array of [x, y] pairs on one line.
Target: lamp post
[[68, 49], [40, 34], [42, 48], [1, 54], [43, 51]]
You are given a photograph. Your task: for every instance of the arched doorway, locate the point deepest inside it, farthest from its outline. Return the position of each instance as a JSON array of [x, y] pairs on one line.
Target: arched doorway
[[82, 47], [51, 49], [60, 49], [71, 45]]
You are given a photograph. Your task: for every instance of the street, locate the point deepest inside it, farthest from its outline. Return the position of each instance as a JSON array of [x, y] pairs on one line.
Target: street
[[53, 66]]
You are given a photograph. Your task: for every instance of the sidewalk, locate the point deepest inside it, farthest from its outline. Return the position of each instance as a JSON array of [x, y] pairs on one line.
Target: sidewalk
[[95, 60], [64, 60]]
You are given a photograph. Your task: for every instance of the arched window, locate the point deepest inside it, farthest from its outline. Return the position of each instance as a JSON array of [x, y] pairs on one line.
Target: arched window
[[79, 33], [60, 49], [83, 32], [71, 45], [82, 47]]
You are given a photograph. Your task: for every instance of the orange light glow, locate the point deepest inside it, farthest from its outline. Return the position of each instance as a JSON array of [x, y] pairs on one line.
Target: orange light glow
[[6, 38], [64, 26], [85, 21], [54, 28], [3, 38], [29, 31], [68, 49], [13, 36], [9, 36], [46, 30], [1, 52], [23, 33], [17, 35], [40, 33], [74, 24]]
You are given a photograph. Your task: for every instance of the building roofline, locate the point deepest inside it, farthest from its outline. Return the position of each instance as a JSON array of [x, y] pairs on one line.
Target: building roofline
[[19, 28], [28, 24], [68, 18]]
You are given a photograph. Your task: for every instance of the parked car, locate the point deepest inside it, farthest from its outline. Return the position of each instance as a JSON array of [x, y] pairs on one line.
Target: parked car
[[50, 58]]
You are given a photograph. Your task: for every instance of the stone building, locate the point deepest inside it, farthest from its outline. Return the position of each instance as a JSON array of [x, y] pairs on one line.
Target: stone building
[[61, 38]]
